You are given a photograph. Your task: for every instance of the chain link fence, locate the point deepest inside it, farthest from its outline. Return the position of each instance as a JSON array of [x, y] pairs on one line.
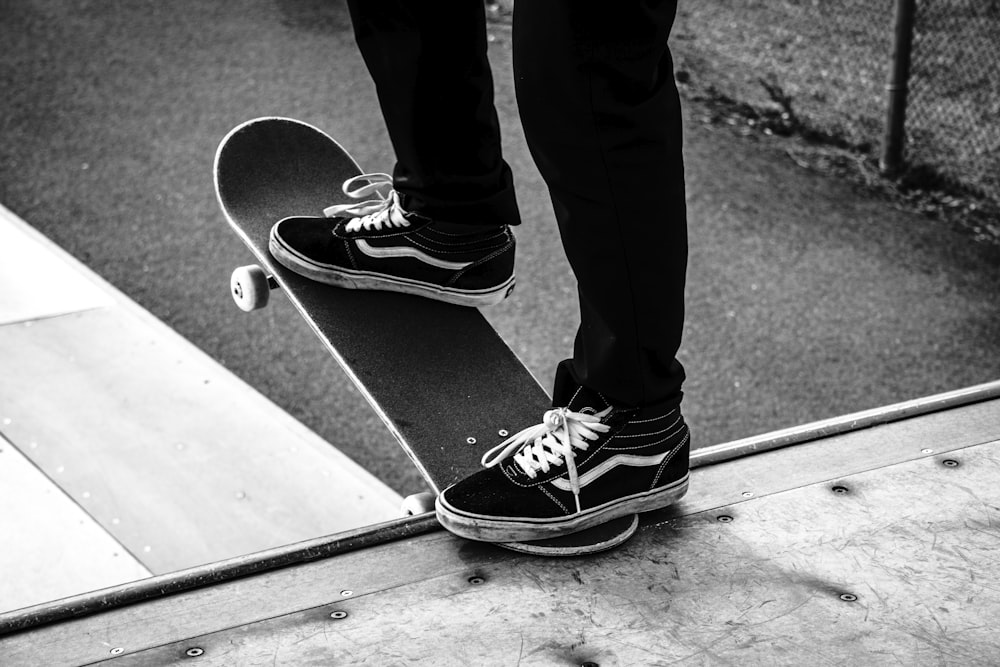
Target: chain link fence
[[825, 63], [953, 114]]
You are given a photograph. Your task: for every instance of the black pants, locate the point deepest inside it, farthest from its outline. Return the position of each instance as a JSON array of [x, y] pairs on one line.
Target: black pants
[[601, 116]]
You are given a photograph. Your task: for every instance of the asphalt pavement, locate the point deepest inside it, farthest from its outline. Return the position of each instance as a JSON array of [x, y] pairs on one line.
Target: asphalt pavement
[[807, 297]]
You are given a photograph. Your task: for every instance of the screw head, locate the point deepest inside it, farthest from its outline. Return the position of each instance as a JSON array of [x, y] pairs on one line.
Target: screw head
[[347, 594], [747, 494], [849, 597], [951, 463], [840, 490], [194, 652], [470, 440], [503, 433], [725, 518], [337, 615], [118, 650], [477, 580]]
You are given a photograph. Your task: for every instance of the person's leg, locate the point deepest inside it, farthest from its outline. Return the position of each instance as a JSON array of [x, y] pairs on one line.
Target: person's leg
[[440, 227], [602, 118], [429, 64]]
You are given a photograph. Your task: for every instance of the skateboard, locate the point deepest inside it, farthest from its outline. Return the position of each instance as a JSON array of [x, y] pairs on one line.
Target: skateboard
[[448, 393]]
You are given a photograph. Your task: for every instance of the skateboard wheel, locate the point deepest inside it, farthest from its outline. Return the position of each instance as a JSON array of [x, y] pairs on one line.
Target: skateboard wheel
[[250, 287], [418, 503]]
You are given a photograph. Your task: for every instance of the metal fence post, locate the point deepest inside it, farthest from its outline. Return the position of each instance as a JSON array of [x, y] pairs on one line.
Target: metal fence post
[[894, 139]]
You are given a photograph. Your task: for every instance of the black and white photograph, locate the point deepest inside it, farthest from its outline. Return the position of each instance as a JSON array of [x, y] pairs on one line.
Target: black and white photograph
[[582, 333]]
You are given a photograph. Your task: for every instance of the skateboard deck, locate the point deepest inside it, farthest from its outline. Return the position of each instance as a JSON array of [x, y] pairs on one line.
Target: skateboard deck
[[439, 376]]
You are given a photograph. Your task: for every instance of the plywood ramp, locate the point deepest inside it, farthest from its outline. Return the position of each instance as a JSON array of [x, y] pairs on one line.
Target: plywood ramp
[[51, 547], [877, 546], [150, 456]]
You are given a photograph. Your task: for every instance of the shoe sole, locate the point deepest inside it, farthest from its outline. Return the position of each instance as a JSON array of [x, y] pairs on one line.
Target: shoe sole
[[367, 280], [594, 540], [517, 529]]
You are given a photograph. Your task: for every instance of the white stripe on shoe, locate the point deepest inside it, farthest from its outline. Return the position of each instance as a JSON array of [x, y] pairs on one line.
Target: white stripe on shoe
[[407, 251], [620, 460]]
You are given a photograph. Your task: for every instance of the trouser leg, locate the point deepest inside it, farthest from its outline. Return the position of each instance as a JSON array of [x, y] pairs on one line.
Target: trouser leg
[[428, 61], [602, 118]]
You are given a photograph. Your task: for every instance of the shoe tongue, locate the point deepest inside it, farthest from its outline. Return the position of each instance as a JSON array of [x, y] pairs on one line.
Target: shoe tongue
[[568, 392], [581, 399], [397, 217]]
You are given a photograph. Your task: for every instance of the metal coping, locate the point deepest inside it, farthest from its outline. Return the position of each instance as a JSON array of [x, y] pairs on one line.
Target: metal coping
[[855, 421], [142, 590], [95, 602]]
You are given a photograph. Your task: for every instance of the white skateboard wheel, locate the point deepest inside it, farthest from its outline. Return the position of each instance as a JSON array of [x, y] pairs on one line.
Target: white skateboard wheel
[[418, 503], [250, 287]]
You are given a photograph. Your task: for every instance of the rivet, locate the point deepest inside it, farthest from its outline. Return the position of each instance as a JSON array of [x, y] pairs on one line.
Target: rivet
[[471, 440], [475, 581], [118, 650], [194, 652], [951, 463], [849, 597], [841, 490], [725, 518], [337, 615]]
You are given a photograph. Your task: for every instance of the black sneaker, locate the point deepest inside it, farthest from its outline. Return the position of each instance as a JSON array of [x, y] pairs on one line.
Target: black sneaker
[[584, 465], [377, 245]]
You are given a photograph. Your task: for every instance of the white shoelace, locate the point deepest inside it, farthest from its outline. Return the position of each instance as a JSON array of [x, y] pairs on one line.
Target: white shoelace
[[538, 448], [384, 210]]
